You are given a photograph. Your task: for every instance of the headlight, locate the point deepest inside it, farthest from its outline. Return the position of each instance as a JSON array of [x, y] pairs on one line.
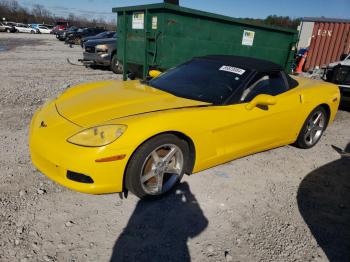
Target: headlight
[[97, 136], [102, 48]]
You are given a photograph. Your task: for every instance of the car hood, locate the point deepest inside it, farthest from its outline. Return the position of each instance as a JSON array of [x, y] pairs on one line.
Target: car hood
[[95, 103], [89, 38], [92, 38], [344, 63], [101, 41]]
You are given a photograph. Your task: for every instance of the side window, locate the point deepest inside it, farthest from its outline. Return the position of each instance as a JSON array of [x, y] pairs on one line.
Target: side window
[[269, 84]]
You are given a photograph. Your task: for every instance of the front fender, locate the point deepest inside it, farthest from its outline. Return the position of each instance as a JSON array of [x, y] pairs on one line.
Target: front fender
[[143, 127]]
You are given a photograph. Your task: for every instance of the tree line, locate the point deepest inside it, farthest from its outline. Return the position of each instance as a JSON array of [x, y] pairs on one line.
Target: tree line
[[274, 20], [11, 10]]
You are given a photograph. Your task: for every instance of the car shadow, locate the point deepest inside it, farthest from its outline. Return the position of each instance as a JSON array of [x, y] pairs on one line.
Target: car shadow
[[99, 67], [158, 230], [324, 202]]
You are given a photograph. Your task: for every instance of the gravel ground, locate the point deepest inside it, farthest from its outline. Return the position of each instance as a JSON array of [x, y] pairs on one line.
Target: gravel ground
[[285, 204]]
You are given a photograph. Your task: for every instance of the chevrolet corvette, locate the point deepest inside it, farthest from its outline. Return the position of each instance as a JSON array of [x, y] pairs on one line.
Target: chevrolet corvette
[[143, 136]]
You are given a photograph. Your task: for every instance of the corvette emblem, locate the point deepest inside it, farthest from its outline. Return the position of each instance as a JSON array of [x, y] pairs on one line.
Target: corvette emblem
[[43, 124]]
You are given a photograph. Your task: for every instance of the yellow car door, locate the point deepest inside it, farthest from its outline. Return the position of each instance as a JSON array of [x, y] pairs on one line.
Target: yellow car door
[[265, 118]]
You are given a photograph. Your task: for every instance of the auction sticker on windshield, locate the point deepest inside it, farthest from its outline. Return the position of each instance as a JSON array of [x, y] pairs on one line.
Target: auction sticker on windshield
[[232, 69]]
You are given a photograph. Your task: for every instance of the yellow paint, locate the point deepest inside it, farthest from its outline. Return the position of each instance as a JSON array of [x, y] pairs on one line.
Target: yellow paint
[[154, 73], [219, 133]]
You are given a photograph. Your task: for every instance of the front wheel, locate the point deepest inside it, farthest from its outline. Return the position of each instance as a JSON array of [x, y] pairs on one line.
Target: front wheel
[[157, 166], [115, 66], [313, 128]]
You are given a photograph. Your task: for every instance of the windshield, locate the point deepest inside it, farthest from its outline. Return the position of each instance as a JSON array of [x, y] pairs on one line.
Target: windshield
[[203, 80]]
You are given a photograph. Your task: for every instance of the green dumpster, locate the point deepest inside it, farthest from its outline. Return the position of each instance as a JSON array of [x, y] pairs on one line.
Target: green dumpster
[[161, 36]]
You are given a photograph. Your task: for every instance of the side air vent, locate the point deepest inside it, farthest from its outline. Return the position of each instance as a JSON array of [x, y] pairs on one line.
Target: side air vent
[[77, 177]]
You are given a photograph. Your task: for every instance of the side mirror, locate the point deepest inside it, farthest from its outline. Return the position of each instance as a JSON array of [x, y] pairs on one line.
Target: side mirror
[[154, 73], [261, 100]]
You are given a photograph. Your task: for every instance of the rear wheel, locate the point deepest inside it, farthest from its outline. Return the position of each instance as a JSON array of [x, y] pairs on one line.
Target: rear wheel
[[32, 32], [157, 166], [313, 128]]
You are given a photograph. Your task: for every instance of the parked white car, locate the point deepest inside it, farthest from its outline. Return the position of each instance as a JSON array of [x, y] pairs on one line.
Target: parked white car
[[22, 28], [44, 29]]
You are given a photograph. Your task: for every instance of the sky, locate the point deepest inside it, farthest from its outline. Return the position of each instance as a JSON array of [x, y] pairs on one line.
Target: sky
[[234, 8]]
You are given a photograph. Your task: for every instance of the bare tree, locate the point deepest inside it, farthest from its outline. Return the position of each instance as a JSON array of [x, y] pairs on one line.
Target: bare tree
[[11, 10]]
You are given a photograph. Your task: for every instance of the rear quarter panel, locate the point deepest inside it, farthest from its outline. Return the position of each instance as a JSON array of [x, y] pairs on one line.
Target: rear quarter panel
[[316, 92]]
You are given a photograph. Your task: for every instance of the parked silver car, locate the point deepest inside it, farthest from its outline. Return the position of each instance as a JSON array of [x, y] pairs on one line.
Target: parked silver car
[[102, 52], [7, 27]]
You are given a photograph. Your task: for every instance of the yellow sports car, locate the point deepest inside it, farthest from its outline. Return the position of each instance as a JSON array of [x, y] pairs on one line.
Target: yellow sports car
[[143, 136]]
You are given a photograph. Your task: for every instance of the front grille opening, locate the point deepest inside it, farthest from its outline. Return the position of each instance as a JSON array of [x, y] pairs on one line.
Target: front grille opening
[[79, 177], [89, 49]]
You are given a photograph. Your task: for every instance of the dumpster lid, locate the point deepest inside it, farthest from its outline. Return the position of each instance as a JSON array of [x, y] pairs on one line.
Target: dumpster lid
[[191, 11]]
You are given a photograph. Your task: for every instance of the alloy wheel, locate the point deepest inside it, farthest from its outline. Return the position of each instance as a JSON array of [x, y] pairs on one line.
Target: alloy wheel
[[315, 128], [162, 169]]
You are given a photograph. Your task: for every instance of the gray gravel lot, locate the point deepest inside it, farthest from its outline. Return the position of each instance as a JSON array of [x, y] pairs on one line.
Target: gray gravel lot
[[285, 204]]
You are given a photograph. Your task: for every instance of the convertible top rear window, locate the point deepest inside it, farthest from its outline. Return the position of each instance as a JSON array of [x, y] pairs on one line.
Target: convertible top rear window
[[203, 80]]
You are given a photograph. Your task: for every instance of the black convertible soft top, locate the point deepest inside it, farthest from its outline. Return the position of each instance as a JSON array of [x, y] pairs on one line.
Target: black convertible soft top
[[245, 62], [258, 65]]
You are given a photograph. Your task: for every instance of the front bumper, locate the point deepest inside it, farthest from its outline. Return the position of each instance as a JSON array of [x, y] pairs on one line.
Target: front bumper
[[99, 59], [55, 157]]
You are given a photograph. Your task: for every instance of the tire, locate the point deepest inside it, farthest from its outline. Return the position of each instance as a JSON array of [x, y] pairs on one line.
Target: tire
[[313, 128], [32, 32], [8, 30], [146, 174], [115, 66]]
